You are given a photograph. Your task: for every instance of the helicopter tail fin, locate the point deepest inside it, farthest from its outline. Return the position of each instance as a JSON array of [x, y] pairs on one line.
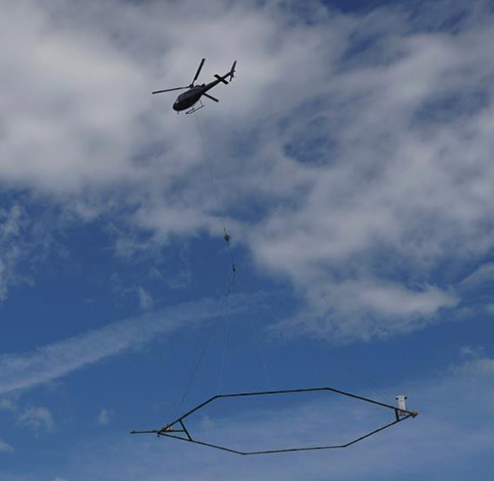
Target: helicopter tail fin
[[230, 74], [232, 71]]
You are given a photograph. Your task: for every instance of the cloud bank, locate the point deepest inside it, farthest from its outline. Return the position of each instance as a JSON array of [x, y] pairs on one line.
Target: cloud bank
[[352, 152]]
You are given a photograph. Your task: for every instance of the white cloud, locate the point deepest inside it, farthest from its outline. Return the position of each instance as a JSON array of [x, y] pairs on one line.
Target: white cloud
[[81, 114], [353, 153], [5, 447], [145, 298], [33, 417], [104, 417], [477, 366], [36, 418], [64, 128], [401, 188], [480, 277], [23, 244], [375, 310]]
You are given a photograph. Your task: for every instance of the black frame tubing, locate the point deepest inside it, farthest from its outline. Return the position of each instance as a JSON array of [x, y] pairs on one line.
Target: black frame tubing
[[169, 431]]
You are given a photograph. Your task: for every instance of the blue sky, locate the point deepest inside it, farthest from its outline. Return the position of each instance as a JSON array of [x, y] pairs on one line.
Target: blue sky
[[352, 158]]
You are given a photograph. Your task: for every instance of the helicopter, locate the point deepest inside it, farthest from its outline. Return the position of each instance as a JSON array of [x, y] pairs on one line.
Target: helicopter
[[188, 99]]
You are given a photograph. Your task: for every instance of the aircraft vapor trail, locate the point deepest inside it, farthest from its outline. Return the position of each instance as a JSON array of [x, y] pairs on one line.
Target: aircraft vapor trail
[[23, 371]]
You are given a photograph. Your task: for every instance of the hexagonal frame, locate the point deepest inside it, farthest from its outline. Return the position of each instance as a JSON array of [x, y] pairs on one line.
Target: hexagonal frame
[[178, 426]]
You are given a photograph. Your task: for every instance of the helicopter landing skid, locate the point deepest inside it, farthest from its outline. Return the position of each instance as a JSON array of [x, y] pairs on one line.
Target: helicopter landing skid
[[195, 109]]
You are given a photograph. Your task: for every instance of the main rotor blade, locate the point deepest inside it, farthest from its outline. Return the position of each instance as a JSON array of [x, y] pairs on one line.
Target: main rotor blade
[[198, 70], [168, 90], [210, 97]]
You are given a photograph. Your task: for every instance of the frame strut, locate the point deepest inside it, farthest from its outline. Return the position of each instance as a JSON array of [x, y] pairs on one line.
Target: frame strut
[[185, 430], [169, 431]]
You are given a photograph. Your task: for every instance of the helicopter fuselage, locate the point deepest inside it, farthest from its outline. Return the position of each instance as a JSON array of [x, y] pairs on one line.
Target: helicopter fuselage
[[188, 99]]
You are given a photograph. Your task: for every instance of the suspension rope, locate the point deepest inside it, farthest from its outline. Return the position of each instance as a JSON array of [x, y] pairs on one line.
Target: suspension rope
[[235, 281], [227, 238], [219, 203], [235, 277], [205, 347], [226, 340]]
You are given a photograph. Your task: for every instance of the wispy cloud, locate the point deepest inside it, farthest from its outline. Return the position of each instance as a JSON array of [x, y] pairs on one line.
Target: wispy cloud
[[482, 276], [377, 310], [5, 447], [23, 243], [145, 298], [104, 417], [21, 371], [36, 418]]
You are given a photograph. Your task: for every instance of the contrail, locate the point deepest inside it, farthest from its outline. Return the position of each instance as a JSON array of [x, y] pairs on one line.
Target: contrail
[[22, 371]]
